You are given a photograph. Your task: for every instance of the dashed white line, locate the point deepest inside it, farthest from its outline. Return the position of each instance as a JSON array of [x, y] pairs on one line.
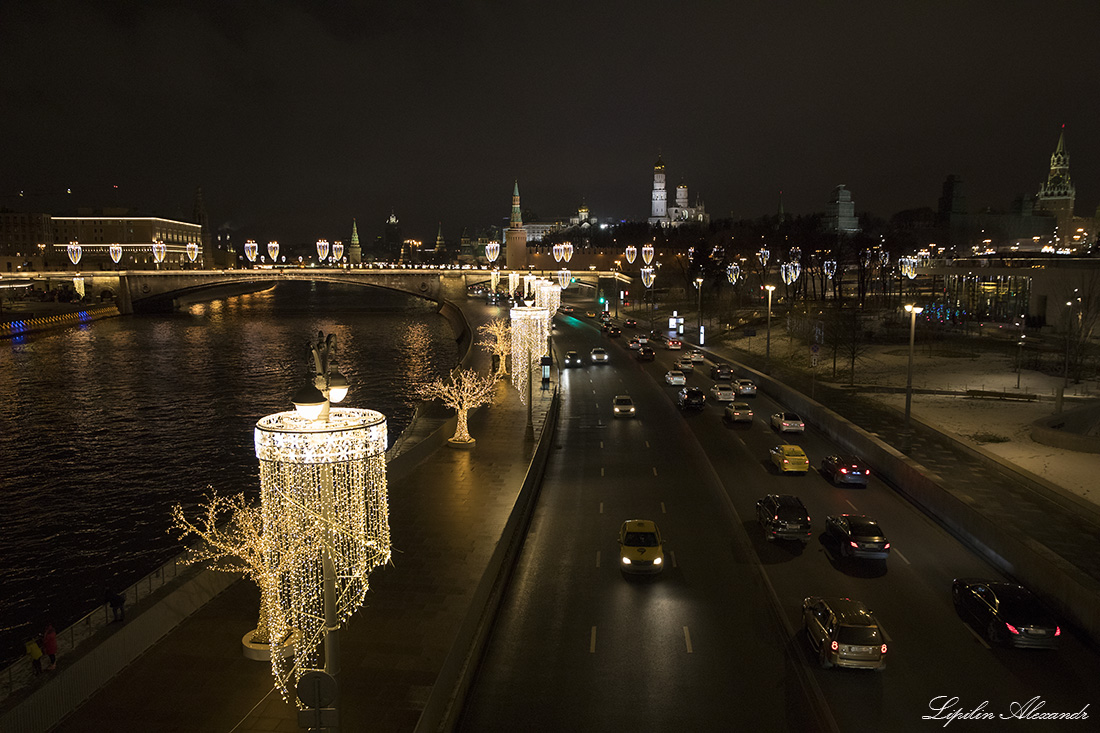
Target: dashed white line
[[663, 508], [592, 642], [672, 558], [852, 505], [687, 639], [903, 557], [597, 558], [601, 470], [647, 444], [654, 470], [977, 636]]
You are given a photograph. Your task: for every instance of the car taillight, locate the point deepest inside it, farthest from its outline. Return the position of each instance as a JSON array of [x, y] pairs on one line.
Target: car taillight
[[866, 472], [785, 460], [887, 547], [853, 544], [1057, 630], [1012, 628], [835, 646], [844, 470], [883, 648]]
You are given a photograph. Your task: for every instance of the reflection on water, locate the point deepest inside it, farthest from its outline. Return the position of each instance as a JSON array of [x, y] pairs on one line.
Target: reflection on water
[[106, 425]]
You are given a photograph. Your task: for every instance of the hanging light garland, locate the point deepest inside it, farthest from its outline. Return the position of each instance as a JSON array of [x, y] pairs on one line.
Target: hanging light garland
[[763, 255], [529, 286], [830, 268], [250, 250], [116, 252], [74, 252], [192, 251], [790, 272], [322, 249], [529, 332], [648, 275], [557, 250], [908, 266], [883, 258], [494, 279], [159, 250], [647, 253], [337, 250], [567, 251], [513, 283], [492, 251], [273, 250], [631, 253], [733, 273], [563, 278]]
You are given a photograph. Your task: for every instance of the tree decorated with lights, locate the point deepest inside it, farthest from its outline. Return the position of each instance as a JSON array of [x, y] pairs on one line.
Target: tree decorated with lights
[[461, 392], [496, 338]]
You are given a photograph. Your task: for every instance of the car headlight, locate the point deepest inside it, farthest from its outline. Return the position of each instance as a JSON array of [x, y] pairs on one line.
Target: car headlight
[[626, 561], [656, 561]]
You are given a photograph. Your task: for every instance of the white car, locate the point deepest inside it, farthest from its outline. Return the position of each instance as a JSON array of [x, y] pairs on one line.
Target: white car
[[739, 412], [788, 422], [674, 344], [642, 339], [675, 376], [685, 364], [723, 392], [697, 356], [744, 387], [634, 344], [599, 356], [623, 405]]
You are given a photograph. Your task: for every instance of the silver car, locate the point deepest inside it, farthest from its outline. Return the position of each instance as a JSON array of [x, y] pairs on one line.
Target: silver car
[[739, 412], [745, 387], [723, 392], [844, 633], [599, 356], [675, 377], [623, 405]]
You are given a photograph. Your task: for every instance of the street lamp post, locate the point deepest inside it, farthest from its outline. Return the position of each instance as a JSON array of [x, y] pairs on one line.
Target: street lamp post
[[1019, 352], [913, 310], [768, 347], [699, 287]]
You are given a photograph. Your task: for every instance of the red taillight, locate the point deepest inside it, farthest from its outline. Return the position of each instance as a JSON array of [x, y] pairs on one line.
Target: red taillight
[[853, 544], [866, 472], [1012, 628], [785, 460], [887, 546], [844, 470], [883, 648], [1057, 630], [835, 646]]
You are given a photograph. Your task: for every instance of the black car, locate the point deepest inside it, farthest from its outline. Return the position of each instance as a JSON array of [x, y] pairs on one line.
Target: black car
[[614, 331], [571, 359], [857, 535], [630, 323], [1008, 613], [646, 354], [691, 398], [785, 517], [845, 470], [721, 372]]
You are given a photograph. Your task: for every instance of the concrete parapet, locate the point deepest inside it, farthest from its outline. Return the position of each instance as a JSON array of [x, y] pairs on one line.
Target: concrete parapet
[[1074, 429]]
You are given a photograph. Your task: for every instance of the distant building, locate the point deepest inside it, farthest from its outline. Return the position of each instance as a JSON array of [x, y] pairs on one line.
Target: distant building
[[661, 214], [515, 237], [1057, 198], [136, 236], [355, 250], [390, 246], [840, 212]]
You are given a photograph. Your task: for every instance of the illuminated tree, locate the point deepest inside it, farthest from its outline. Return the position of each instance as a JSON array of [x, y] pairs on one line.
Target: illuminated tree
[[461, 392], [496, 338]]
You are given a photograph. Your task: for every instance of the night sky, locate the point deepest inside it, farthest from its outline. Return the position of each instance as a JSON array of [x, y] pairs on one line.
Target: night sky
[[295, 116]]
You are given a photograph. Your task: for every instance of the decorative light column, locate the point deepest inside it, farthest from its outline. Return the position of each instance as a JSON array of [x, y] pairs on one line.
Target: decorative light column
[[699, 287], [768, 347], [913, 310], [529, 334], [325, 513]]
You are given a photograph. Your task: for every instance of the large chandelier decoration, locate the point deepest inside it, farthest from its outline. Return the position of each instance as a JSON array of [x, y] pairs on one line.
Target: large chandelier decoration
[[564, 276], [558, 252], [273, 250], [763, 255], [494, 279], [192, 251], [337, 250], [567, 252], [159, 250], [631, 253], [529, 335], [647, 253], [830, 268], [250, 250], [74, 252], [116, 252], [733, 273], [513, 283], [908, 266], [648, 275], [790, 272], [548, 297], [325, 513], [322, 249], [492, 251]]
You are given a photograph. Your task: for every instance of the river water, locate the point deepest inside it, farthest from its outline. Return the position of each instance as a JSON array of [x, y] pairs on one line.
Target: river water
[[106, 425]]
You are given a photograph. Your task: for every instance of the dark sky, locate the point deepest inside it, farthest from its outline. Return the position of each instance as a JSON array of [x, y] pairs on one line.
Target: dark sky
[[295, 116]]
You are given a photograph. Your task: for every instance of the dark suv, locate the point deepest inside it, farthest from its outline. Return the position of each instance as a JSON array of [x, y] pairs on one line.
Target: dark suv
[[691, 398], [721, 372], [784, 516]]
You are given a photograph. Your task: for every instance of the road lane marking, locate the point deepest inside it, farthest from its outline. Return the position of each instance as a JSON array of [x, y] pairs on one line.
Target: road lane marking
[[687, 639], [898, 553], [601, 470], [647, 444], [852, 505], [654, 470], [597, 558], [592, 642], [601, 507], [663, 508], [977, 636], [672, 558], [601, 445]]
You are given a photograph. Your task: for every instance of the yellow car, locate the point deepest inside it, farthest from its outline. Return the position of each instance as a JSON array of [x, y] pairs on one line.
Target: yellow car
[[640, 549], [790, 458]]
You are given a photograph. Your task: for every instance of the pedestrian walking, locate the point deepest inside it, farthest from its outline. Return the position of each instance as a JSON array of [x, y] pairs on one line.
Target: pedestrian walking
[[49, 645], [35, 653], [116, 602]]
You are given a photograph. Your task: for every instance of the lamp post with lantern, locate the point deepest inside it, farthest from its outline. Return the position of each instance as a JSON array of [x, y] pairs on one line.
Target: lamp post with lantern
[[913, 310], [768, 345]]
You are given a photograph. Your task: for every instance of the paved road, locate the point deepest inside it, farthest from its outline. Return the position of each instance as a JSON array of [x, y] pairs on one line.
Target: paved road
[[707, 644]]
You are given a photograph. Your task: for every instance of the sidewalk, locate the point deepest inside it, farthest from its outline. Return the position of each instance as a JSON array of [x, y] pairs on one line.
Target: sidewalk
[[446, 519]]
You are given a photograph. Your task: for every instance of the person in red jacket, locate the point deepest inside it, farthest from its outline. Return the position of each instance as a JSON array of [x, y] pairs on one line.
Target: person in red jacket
[[49, 645]]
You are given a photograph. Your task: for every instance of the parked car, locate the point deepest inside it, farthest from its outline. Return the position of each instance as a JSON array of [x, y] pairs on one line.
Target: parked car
[[623, 405], [572, 359], [844, 633], [788, 422], [738, 412], [1006, 613], [675, 377], [697, 356], [599, 355], [684, 364], [789, 459], [674, 344], [844, 470], [745, 387], [858, 535], [646, 354], [630, 323], [723, 392], [691, 398], [641, 549], [721, 373], [784, 517]]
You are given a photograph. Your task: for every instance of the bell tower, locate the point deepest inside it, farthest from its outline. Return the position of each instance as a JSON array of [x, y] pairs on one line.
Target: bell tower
[[659, 202]]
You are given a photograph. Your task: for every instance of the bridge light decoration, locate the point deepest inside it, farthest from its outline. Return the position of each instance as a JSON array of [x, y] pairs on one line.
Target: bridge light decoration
[[273, 250], [494, 279], [529, 286], [192, 251], [631, 253], [648, 275], [883, 258], [529, 337], [159, 250], [557, 253], [513, 283], [563, 278], [567, 252], [763, 255], [116, 252], [908, 266], [337, 250], [830, 268], [322, 249], [868, 257], [492, 251], [324, 502], [250, 250], [790, 272], [733, 273], [647, 253], [74, 252]]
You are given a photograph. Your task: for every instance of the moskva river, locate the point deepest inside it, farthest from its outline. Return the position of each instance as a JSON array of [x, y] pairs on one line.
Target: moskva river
[[105, 426]]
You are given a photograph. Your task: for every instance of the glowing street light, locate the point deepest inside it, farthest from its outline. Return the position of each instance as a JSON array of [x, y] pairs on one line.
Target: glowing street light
[[913, 310], [768, 347], [699, 287]]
